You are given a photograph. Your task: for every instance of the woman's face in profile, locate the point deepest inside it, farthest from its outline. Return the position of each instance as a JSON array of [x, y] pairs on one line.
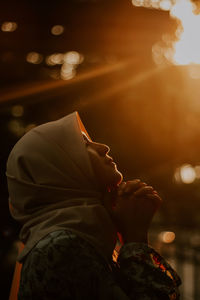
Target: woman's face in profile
[[103, 165]]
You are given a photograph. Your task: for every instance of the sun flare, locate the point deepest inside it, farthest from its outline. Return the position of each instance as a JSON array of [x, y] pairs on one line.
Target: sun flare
[[184, 47], [187, 46]]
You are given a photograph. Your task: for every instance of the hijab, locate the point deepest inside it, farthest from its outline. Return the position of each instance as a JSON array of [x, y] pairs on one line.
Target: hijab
[[52, 186]]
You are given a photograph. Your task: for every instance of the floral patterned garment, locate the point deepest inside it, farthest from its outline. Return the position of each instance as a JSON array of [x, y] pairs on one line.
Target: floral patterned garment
[[63, 266]]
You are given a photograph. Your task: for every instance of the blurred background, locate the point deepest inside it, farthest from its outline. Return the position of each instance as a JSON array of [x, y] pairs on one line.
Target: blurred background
[[132, 70]]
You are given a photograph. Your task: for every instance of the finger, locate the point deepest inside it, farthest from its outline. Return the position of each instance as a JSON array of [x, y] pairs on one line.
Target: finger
[[156, 198], [143, 191], [132, 186], [154, 195], [155, 192], [129, 186]]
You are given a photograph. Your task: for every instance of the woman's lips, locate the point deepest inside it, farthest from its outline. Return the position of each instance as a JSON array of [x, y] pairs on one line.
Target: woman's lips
[[110, 161]]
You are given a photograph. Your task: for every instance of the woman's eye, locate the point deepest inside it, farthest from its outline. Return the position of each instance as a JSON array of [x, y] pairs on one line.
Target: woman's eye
[[87, 142]]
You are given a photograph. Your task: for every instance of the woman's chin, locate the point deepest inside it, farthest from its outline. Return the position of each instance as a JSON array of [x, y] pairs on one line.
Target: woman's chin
[[111, 181], [120, 176], [117, 179]]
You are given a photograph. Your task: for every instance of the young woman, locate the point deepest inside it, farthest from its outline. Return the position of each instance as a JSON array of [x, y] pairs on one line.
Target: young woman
[[73, 205]]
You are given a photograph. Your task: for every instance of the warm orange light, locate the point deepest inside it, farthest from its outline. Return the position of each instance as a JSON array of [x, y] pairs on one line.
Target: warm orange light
[[165, 5], [9, 26], [67, 71], [137, 2], [55, 59], [157, 4], [34, 58], [57, 29], [73, 58], [167, 237], [187, 48], [186, 174]]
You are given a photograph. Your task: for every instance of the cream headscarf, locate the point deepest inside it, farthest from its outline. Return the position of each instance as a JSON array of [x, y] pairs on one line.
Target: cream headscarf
[[52, 186]]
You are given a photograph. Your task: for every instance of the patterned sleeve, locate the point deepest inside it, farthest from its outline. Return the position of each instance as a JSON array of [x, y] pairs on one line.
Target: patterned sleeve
[[144, 274]]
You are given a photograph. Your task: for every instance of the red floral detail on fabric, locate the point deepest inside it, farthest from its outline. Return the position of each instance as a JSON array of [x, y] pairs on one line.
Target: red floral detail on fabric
[[156, 260], [162, 267], [169, 274], [157, 263]]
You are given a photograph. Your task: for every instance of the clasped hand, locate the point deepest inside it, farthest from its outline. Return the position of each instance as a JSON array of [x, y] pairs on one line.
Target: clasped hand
[[133, 209]]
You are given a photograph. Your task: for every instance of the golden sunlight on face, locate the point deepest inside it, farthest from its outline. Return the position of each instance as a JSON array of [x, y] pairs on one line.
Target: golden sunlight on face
[[105, 169]]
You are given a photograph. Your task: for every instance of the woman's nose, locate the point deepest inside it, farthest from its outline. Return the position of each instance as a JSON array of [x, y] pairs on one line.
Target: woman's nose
[[102, 149]]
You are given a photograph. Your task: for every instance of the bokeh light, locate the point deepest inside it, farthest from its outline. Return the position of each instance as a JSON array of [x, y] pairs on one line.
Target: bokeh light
[[57, 29], [187, 48], [17, 111], [156, 4], [69, 62], [165, 5], [167, 237], [16, 127], [67, 71], [73, 58], [9, 26], [187, 174], [34, 58], [137, 2], [55, 59], [184, 47]]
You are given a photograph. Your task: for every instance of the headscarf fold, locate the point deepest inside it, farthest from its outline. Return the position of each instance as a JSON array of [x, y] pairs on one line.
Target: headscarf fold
[[52, 186]]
